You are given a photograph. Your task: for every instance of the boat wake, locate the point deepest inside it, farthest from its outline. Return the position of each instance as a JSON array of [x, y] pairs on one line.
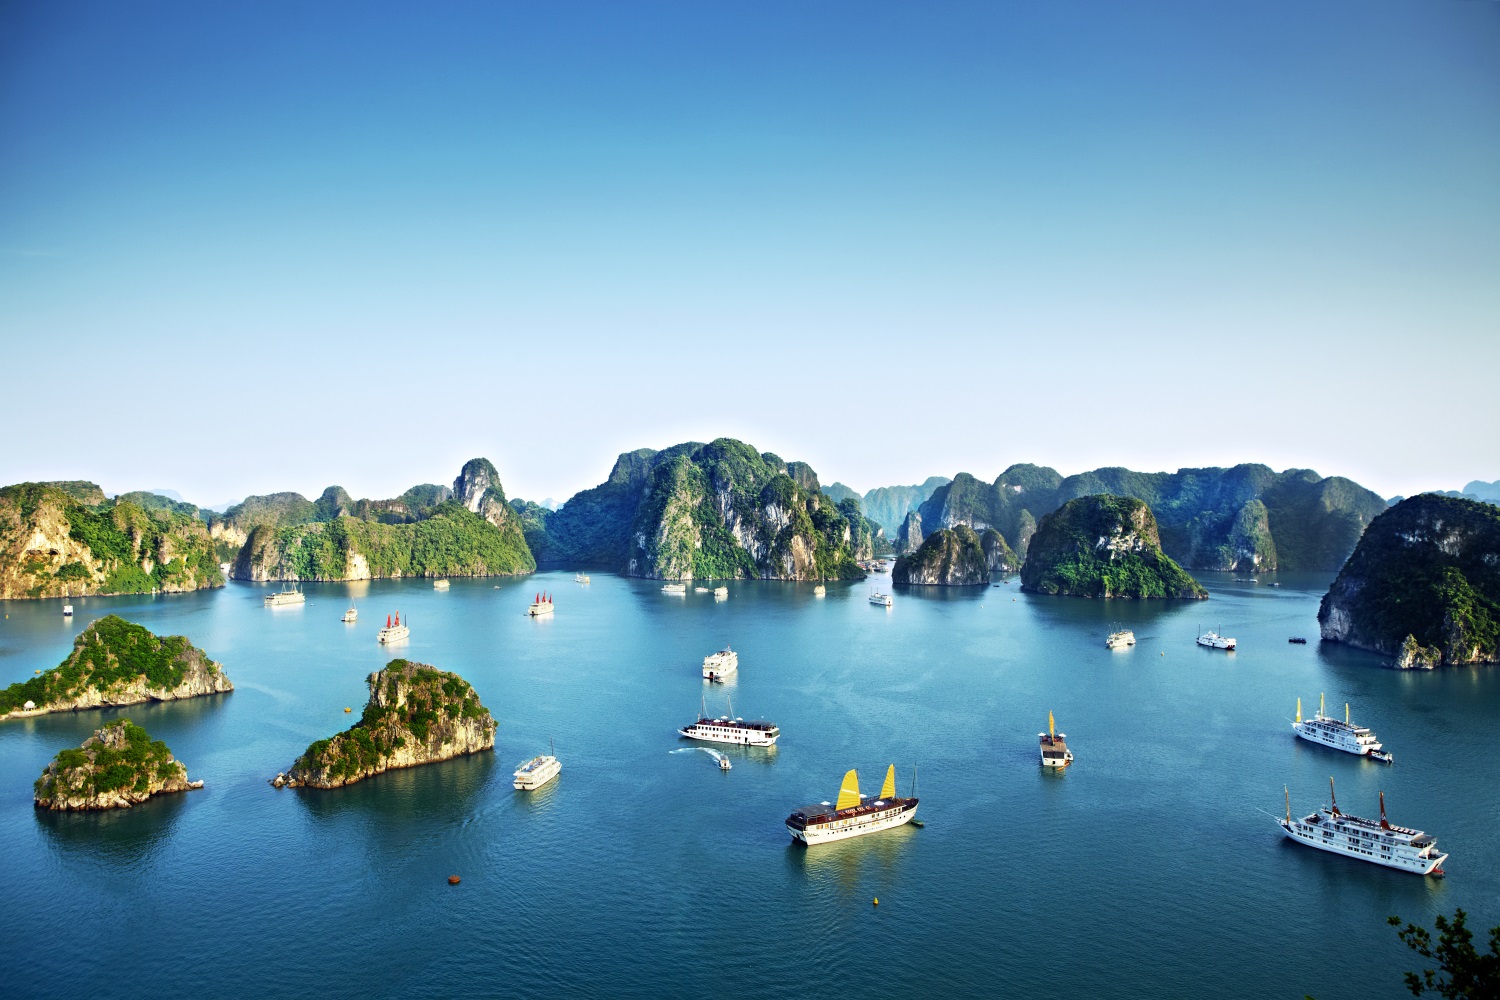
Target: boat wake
[[718, 757]]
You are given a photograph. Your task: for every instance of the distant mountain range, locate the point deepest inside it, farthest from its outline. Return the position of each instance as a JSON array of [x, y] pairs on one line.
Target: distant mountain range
[[887, 506]]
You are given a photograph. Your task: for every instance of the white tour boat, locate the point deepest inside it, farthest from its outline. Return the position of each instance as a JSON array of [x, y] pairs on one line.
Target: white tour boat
[[352, 615], [876, 597], [541, 606], [716, 665], [1125, 637], [1054, 746], [726, 729], [289, 595], [394, 631], [537, 771], [440, 584], [852, 815], [700, 590], [1214, 640], [67, 611], [1379, 841], [721, 593], [820, 591], [1330, 732], [674, 588], [580, 578]]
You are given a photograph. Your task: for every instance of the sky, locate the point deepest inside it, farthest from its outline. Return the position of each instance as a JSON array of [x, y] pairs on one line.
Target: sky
[[250, 247]]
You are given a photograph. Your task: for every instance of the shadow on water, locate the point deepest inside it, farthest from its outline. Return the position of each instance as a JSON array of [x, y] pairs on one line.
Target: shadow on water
[[115, 836], [843, 864], [941, 595], [440, 792]]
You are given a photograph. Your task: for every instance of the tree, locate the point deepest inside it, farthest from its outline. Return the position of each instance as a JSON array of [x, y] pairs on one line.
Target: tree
[[1462, 972]]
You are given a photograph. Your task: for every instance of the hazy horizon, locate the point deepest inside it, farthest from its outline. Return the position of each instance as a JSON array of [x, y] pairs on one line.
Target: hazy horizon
[[249, 248]]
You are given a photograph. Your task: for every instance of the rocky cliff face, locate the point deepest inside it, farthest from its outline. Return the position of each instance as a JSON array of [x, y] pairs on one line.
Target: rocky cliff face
[[118, 767], [711, 511], [1103, 546], [1247, 519], [1422, 586], [997, 555], [909, 538], [949, 557], [116, 662], [416, 714], [427, 531], [52, 545], [888, 506]]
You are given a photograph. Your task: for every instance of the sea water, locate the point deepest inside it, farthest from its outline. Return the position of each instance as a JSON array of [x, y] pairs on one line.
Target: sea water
[[1151, 867]]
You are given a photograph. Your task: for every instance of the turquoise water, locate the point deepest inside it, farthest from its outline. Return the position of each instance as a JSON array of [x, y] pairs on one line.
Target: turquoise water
[[1150, 868]]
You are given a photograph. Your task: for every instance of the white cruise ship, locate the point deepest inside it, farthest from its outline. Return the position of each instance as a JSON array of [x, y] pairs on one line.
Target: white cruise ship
[[542, 605], [1125, 637], [852, 815], [717, 665], [1214, 640], [726, 729], [441, 584], [876, 597], [394, 630], [537, 771], [352, 615], [1054, 746], [1329, 732], [674, 588], [820, 591], [1379, 841], [289, 595], [721, 593]]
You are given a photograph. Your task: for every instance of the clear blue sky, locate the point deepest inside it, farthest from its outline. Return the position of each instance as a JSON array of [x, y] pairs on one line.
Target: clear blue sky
[[251, 247]]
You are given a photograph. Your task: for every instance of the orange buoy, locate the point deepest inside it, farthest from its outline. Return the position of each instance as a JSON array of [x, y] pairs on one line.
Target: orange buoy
[[453, 880], [348, 709], [876, 901]]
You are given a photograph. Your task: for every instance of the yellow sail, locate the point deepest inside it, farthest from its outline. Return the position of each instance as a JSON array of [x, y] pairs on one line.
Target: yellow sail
[[1299, 715], [849, 791], [1051, 726], [888, 790]]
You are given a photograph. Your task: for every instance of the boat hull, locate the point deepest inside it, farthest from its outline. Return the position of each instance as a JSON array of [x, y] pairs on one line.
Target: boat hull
[[1414, 865], [734, 739], [538, 610], [859, 827], [538, 776], [395, 634]]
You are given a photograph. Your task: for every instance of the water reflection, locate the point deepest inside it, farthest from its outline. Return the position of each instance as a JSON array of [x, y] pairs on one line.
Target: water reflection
[[116, 837], [842, 864], [444, 791]]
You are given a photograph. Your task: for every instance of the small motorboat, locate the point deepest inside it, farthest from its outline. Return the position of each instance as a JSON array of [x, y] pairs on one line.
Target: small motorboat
[[1299, 640], [724, 764]]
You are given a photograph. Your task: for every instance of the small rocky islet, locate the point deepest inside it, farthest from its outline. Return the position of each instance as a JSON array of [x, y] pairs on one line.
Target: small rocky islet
[[115, 663], [118, 767], [416, 714], [1103, 546]]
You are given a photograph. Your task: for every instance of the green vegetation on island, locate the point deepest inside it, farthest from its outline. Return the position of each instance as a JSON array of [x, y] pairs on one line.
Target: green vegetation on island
[[116, 662], [1246, 518], [1103, 546], [427, 531], [949, 557], [1423, 585], [117, 767], [416, 714], [708, 511], [54, 544]]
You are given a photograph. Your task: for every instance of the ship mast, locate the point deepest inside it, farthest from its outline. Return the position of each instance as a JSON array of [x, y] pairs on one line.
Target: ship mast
[[1333, 802], [1384, 823], [1288, 794]]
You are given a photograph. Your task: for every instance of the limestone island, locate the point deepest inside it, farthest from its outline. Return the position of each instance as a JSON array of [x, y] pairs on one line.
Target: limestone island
[[417, 714], [1103, 546], [115, 662], [1423, 585], [949, 557], [118, 767]]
